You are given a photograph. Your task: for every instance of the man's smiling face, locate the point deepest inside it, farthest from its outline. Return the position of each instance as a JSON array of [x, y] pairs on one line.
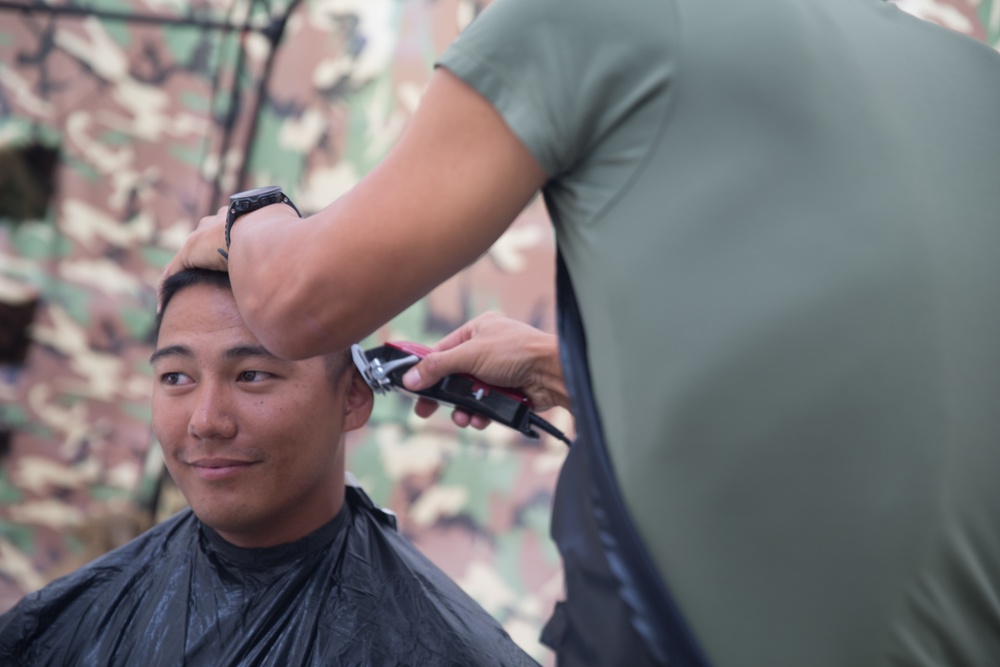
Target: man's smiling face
[[254, 442]]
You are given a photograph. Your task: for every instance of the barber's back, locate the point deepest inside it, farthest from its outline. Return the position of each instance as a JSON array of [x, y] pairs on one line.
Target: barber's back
[[812, 462]]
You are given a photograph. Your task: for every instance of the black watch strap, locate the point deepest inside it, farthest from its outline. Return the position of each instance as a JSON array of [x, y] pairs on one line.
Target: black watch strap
[[251, 200]]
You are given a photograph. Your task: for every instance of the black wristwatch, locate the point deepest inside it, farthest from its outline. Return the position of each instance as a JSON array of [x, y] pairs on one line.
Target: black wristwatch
[[251, 200]]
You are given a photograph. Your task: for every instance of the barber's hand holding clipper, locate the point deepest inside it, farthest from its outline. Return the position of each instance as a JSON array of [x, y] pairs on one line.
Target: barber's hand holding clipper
[[497, 350]]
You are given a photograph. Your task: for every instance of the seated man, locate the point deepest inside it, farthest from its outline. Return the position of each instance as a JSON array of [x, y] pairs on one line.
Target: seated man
[[277, 561]]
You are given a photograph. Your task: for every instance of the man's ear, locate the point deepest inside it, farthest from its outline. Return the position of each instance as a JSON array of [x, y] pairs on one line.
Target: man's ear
[[358, 403]]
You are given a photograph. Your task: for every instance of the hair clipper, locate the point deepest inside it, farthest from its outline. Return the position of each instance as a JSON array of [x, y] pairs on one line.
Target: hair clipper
[[383, 368]]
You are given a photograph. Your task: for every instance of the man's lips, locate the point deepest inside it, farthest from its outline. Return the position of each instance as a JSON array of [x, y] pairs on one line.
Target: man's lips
[[215, 468]]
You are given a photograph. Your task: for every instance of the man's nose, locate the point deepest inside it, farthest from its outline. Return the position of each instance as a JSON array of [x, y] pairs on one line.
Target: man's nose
[[214, 415]]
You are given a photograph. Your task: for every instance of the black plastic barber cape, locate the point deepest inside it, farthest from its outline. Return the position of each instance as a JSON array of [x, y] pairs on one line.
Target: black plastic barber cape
[[354, 592]]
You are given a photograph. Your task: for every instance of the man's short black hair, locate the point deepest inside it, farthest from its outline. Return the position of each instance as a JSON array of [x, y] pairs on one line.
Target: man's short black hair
[[336, 362]]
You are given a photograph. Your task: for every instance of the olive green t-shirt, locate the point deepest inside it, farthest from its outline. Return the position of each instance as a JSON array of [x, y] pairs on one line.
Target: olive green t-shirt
[[782, 222]]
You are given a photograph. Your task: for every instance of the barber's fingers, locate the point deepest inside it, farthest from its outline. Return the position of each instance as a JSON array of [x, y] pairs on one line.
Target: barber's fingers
[[463, 334], [463, 419], [477, 422], [210, 229], [446, 357], [490, 347], [200, 250], [425, 407]]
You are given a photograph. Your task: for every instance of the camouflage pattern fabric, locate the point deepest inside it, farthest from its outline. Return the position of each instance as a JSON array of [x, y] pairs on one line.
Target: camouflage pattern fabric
[[157, 111]]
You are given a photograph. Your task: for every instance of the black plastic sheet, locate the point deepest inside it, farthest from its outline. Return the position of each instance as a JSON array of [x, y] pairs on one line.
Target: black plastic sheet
[[352, 593]]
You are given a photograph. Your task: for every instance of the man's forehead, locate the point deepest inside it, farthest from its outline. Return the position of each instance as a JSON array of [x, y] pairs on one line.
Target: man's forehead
[[205, 313], [202, 321]]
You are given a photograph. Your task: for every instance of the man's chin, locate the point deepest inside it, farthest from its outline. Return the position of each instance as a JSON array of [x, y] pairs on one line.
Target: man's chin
[[227, 520]]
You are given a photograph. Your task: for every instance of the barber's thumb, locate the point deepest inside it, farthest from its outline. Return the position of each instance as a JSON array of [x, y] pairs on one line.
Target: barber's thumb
[[413, 380], [429, 370], [416, 378]]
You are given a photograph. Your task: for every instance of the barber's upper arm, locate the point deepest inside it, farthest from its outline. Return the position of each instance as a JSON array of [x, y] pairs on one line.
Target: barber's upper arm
[[453, 183]]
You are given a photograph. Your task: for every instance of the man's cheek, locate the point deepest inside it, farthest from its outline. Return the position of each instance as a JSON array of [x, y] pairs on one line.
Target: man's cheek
[[168, 423]]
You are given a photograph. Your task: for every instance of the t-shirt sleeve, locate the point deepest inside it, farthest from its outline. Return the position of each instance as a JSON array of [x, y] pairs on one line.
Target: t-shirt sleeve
[[565, 74]]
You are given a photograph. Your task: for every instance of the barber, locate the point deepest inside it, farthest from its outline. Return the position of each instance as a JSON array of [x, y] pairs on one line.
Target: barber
[[777, 275]]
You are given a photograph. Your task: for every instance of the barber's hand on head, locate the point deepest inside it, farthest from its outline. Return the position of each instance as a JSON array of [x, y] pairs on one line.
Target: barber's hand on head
[[499, 351], [201, 249]]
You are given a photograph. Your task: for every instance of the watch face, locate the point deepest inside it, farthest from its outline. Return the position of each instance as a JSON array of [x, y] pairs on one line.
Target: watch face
[[256, 192]]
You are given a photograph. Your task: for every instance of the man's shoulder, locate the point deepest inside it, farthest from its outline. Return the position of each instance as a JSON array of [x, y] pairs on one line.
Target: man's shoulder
[[425, 602], [146, 549], [142, 551], [87, 592]]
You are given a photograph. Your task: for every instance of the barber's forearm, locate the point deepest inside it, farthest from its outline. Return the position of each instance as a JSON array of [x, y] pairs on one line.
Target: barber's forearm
[[311, 286], [446, 191], [286, 292], [260, 272]]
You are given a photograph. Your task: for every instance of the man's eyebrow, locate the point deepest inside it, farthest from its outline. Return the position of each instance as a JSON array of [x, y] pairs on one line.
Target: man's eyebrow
[[237, 352], [170, 351], [243, 351]]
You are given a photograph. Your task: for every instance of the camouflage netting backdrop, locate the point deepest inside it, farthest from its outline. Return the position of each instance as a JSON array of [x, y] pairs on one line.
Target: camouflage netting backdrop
[[146, 115]]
